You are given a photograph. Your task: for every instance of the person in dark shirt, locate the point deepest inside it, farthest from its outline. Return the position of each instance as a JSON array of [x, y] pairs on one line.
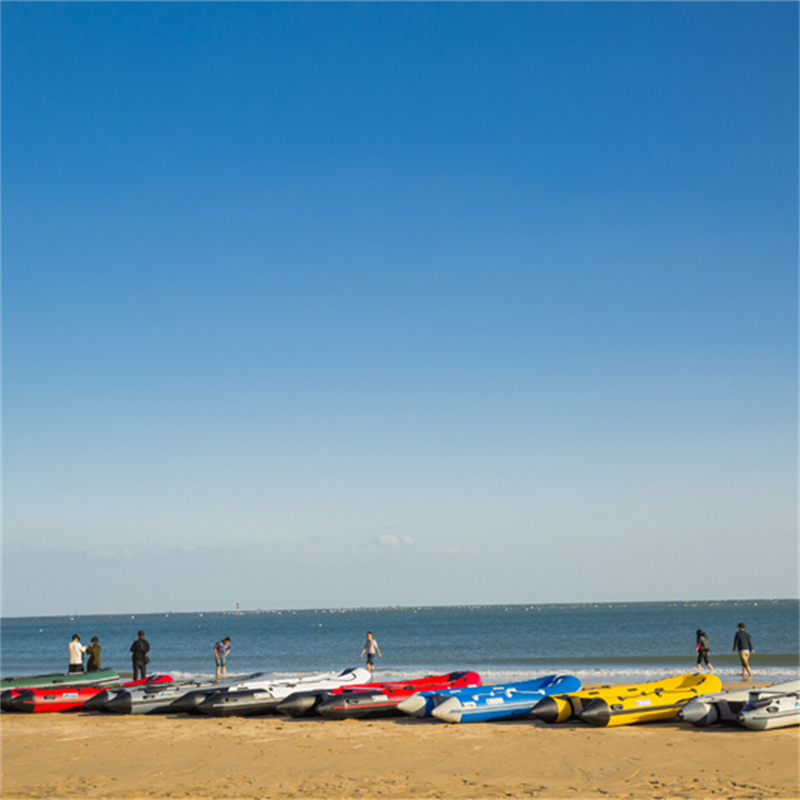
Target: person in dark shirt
[[703, 650], [742, 644], [93, 651], [139, 649], [221, 650]]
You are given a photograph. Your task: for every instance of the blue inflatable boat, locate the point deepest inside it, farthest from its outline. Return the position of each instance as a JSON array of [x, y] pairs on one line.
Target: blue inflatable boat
[[497, 701]]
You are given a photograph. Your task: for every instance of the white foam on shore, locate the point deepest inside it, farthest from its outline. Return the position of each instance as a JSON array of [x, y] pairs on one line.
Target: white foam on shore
[[597, 675]]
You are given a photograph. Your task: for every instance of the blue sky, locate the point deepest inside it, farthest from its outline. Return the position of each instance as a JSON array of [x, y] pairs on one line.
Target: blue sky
[[319, 305]]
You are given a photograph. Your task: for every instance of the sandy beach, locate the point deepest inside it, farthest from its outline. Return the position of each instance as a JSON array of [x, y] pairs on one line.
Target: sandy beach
[[83, 755]]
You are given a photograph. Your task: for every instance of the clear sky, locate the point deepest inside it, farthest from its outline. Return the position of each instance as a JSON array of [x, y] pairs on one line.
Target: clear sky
[[321, 305]]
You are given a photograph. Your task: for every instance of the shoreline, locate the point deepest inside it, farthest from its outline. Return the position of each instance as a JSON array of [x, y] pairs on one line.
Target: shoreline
[[90, 755]]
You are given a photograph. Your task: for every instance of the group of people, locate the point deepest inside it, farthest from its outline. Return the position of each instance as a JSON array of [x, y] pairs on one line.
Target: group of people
[[141, 648], [77, 652], [139, 655], [223, 647], [742, 645]]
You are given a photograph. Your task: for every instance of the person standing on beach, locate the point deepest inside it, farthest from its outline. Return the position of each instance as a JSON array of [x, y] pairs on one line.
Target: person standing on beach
[[703, 649], [93, 664], [76, 651], [221, 650], [742, 643], [140, 648], [370, 648]]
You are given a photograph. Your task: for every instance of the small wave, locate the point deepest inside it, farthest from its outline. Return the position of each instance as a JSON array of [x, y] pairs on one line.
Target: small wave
[[596, 675]]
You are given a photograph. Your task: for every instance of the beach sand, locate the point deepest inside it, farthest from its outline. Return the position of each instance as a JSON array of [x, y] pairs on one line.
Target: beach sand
[[83, 755]]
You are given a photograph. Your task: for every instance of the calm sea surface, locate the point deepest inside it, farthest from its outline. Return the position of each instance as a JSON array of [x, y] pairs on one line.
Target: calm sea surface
[[617, 641]]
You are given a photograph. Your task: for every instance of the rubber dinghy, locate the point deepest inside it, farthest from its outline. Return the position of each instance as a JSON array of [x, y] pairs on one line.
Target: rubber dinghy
[[68, 698], [101, 700], [98, 678], [152, 699], [661, 704], [383, 699], [767, 710], [496, 701], [262, 697], [724, 707], [263, 682], [421, 704], [563, 707]]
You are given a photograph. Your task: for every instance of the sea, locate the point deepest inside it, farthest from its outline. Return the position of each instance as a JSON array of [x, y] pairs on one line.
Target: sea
[[597, 642]]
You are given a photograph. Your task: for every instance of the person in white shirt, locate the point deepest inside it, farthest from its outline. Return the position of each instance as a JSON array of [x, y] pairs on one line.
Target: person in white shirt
[[370, 648], [76, 651]]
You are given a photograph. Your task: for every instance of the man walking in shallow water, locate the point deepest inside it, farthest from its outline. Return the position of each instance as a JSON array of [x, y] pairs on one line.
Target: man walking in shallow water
[[742, 643], [370, 648]]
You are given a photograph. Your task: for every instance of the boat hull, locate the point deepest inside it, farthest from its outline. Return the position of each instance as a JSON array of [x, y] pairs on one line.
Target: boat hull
[[502, 701], [301, 704], [662, 704], [383, 699], [99, 678], [242, 703], [58, 698], [725, 707], [145, 699], [262, 697], [767, 711]]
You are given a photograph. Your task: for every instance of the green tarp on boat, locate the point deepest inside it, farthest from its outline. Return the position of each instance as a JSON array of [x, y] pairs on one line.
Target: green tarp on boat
[[102, 677]]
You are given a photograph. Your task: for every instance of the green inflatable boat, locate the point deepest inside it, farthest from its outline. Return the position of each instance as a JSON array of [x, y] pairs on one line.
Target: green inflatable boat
[[103, 677]]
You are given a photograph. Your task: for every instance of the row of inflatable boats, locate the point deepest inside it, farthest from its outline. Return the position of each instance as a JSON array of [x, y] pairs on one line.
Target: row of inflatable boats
[[258, 693], [776, 706], [347, 694], [60, 696], [455, 697], [693, 698]]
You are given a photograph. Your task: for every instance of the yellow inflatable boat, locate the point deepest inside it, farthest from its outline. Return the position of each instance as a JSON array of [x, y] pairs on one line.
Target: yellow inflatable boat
[[561, 707], [663, 702]]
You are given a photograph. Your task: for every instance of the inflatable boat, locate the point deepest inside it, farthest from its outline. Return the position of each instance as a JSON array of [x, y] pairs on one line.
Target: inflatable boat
[[383, 699], [98, 678], [263, 682], [360, 705], [504, 701], [302, 704], [724, 707], [6, 696], [562, 707], [343, 702], [262, 697], [767, 710], [661, 704], [189, 700], [68, 698], [98, 701], [152, 699], [421, 704]]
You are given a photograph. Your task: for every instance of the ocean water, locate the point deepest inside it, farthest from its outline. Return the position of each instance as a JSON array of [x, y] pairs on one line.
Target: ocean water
[[596, 642]]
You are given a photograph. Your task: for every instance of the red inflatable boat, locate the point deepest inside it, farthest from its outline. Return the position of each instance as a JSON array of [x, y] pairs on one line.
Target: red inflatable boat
[[67, 698], [450, 680], [372, 699]]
